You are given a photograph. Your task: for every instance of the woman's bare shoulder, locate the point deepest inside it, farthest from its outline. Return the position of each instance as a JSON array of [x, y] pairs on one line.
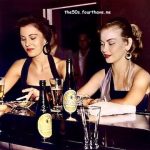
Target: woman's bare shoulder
[[16, 67], [142, 77], [141, 72], [19, 62], [61, 66], [59, 62]]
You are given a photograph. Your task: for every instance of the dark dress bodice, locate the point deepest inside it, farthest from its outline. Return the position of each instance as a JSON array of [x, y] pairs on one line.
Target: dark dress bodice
[[141, 107], [25, 69], [16, 91]]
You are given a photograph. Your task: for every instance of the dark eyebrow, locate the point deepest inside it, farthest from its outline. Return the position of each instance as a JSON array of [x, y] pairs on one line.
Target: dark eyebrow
[[108, 40], [33, 34], [29, 35], [111, 39]]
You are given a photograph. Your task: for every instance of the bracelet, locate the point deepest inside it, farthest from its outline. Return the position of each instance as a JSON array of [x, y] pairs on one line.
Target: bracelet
[[80, 99]]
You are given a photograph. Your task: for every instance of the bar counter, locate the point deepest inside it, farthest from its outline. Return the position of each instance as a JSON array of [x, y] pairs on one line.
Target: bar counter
[[129, 131]]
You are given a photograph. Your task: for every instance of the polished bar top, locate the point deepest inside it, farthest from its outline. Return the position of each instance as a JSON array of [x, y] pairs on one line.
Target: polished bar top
[[133, 121], [21, 129]]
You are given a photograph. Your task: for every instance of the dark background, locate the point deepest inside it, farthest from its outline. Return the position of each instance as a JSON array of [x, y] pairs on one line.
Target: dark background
[[68, 25]]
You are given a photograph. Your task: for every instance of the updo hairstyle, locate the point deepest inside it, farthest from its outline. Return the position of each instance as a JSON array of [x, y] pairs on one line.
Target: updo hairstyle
[[128, 31]]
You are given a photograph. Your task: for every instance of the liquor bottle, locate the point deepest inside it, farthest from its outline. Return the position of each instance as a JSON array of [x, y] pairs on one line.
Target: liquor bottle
[[69, 82], [43, 114], [69, 91]]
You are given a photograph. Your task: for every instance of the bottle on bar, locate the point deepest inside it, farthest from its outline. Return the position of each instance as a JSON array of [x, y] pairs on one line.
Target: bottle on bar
[[69, 91], [43, 114], [69, 82]]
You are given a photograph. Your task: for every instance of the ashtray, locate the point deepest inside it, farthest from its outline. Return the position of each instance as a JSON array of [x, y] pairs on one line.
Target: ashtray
[[22, 104], [24, 111]]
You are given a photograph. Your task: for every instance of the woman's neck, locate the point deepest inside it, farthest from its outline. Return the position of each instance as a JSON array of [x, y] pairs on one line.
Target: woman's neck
[[122, 72], [119, 68], [40, 62]]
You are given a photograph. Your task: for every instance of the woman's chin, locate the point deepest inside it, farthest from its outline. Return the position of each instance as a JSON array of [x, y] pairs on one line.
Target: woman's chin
[[108, 61]]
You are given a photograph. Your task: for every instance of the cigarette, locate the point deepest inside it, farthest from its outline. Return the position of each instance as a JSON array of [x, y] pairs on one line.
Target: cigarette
[[21, 98]]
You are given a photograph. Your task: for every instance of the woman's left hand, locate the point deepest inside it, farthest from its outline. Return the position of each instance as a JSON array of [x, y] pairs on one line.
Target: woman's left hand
[[88, 101]]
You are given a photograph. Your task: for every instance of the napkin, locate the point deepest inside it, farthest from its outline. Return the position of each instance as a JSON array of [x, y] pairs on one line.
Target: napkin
[[109, 108]]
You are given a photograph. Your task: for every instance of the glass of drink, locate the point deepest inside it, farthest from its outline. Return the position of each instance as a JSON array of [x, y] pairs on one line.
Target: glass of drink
[[70, 103], [90, 126], [56, 93], [2, 83]]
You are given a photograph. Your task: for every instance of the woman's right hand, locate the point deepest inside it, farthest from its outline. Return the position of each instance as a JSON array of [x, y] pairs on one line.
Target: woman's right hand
[[33, 94]]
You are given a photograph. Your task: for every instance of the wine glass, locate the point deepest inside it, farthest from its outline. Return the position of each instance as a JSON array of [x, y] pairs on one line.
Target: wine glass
[[2, 83], [70, 103], [56, 93]]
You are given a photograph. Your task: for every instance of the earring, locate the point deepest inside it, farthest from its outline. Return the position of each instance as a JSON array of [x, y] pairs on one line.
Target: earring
[[128, 56], [46, 49]]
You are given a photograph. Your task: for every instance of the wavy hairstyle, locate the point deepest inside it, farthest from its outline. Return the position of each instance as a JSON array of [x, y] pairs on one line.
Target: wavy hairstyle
[[42, 24]]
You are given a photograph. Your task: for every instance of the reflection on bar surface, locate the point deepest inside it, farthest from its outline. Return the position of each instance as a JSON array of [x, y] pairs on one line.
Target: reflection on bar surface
[[128, 131]]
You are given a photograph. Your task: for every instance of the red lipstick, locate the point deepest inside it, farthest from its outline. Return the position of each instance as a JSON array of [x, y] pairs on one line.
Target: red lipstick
[[29, 49], [106, 55]]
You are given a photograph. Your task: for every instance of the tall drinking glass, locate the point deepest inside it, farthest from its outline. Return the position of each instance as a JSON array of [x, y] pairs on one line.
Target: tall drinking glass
[[56, 91], [2, 83], [90, 126]]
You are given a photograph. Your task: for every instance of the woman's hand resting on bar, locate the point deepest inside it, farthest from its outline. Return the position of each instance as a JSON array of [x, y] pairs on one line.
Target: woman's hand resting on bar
[[88, 101]]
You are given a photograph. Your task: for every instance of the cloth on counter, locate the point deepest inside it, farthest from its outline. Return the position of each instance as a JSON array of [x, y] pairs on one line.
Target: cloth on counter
[[109, 108]]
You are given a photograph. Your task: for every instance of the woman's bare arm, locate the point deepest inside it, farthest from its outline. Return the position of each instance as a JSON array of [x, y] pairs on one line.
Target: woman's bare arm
[[93, 84], [13, 74], [141, 86]]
